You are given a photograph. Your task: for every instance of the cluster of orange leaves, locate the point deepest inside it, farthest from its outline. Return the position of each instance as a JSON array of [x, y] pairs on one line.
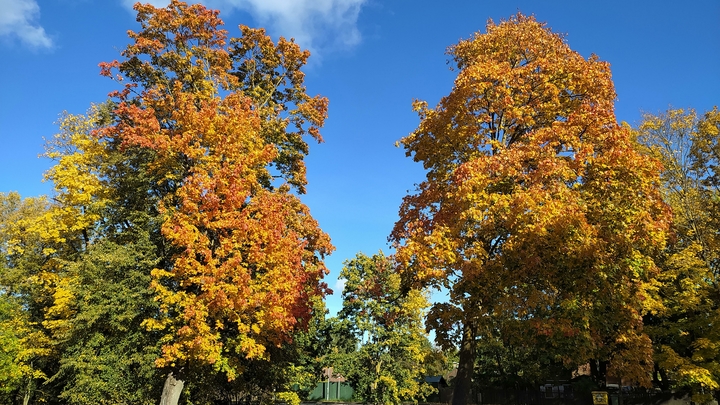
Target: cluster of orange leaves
[[536, 206], [247, 254]]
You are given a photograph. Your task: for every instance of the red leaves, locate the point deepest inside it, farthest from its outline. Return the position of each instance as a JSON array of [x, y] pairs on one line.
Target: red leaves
[[107, 67], [245, 257]]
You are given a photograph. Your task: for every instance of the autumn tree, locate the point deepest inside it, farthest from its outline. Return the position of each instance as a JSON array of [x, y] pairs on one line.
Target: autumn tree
[[31, 296], [683, 323], [175, 218], [388, 366], [242, 256], [537, 214]]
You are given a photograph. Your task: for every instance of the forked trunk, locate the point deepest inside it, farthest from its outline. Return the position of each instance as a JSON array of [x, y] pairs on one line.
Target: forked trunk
[[172, 390], [466, 365]]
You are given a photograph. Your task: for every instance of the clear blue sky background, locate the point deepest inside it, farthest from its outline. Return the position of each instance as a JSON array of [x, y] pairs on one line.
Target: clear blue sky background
[[371, 58]]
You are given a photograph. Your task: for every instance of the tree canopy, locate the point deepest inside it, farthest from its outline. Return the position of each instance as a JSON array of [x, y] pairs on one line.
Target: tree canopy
[[175, 258], [388, 364], [537, 213], [683, 322]]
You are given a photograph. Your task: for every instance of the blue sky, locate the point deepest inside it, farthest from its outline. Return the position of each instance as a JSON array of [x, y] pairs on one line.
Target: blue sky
[[371, 58]]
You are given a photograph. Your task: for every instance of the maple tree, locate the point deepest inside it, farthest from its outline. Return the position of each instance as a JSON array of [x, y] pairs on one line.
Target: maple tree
[[682, 323], [537, 214], [388, 366], [244, 256]]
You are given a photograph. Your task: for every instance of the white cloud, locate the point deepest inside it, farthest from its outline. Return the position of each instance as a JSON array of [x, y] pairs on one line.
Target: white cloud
[[314, 24], [339, 286], [17, 19]]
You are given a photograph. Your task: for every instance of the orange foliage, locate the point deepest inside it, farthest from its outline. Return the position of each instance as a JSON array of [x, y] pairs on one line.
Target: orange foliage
[[244, 256], [536, 209]]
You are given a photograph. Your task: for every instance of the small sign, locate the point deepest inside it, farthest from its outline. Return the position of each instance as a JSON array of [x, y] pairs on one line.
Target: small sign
[[600, 398]]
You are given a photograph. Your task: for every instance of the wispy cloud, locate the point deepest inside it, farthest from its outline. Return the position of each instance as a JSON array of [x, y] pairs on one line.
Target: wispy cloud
[[339, 286], [18, 20], [315, 24]]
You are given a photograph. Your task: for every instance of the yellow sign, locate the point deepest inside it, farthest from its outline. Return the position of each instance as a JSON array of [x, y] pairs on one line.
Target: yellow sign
[[600, 398]]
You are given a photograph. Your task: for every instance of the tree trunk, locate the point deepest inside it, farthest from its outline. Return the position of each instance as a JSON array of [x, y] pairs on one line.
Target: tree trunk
[[598, 371], [28, 391], [660, 378], [466, 366], [602, 369], [172, 390], [665, 385]]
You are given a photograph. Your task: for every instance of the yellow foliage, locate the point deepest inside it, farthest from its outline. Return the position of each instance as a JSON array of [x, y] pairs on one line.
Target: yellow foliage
[[684, 327], [244, 253], [537, 209], [80, 192], [288, 397]]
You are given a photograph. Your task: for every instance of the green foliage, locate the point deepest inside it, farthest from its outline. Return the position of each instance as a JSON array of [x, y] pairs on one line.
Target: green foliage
[[440, 362], [388, 366], [685, 319], [74, 313], [11, 374], [106, 353]]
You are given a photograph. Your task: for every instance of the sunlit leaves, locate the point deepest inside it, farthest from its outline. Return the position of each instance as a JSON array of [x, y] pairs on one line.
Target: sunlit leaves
[[177, 44], [270, 74], [388, 366], [537, 212], [29, 285], [244, 256], [77, 176], [684, 325]]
